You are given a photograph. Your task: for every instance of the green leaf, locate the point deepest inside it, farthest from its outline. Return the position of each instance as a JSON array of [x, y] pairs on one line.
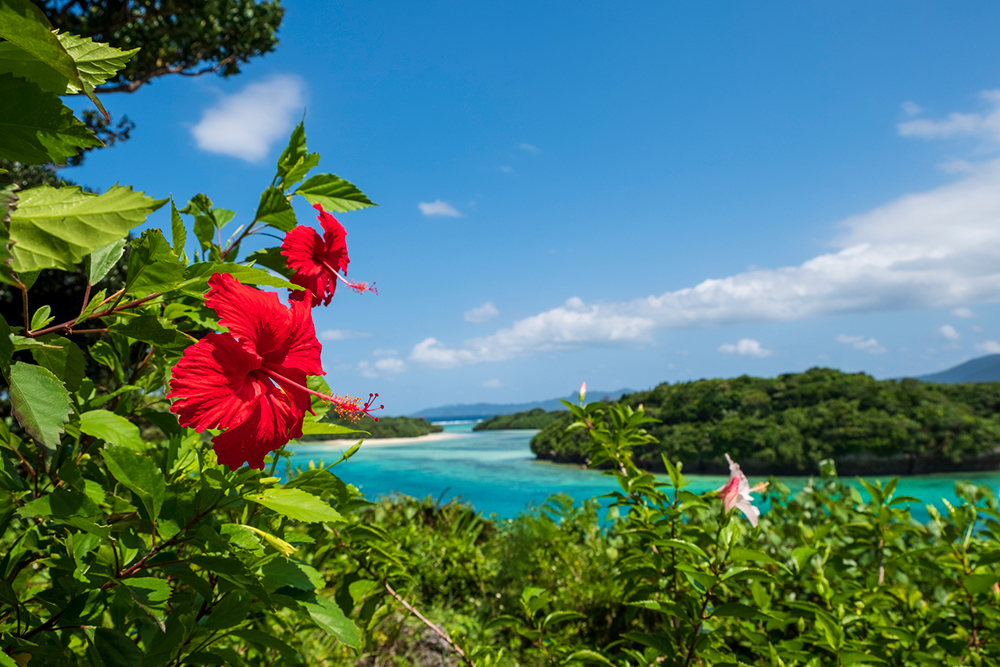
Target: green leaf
[[24, 25], [295, 161], [588, 656], [35, 127], [296, 504], [247, 275], [737, 610], [178, 232], [115, 649], [230, 611], [275, 210], [979, 583], [138, 474], [40, 403], [64, 359], [561, 617], [281, 572], [329, 616], [744, 554], [6, 347], [103, 259], [333, 193], [41, 318], [149, 329], [152, 265], [97, 62], [272, 259], [58, 227], [111, 428]]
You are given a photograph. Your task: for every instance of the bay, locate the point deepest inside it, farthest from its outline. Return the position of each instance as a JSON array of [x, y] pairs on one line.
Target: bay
[[498, 474]]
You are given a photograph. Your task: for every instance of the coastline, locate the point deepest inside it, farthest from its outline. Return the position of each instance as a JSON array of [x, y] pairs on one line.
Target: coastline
[[380, 442]]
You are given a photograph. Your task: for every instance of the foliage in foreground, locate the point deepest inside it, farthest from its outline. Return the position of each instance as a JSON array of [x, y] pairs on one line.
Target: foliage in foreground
[[788, 424]]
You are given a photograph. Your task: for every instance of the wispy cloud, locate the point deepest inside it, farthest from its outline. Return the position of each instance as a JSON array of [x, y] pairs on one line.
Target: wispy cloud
[[861, 343], [245, 124], [747, 347], [934, 249], [384, 353], [990, 346], [483, 313], [949, 332], [964, 313], [507, 170], [492, 384], [381, 368], [530, 148], [438, 208], [342, 334], [984, 125]]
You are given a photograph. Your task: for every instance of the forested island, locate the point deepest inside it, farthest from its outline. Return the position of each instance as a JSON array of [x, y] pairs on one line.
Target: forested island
[[537, 418], [787, 425], [385, 427]]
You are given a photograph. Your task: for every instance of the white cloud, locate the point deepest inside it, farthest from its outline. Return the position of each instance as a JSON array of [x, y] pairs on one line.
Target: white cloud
[[980, 125], [438, 208], [861, 343], [933, 249], [342, 334], [492, 384], [964, 313], [990, 346], [949, 332], [530, 148], [483, 313], [246, 124], [381, 368], [911, 108], [385, 353], [746, 347]]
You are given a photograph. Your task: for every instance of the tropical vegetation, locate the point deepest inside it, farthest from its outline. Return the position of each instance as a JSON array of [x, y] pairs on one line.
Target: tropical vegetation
[[530, 419], [788, 424]]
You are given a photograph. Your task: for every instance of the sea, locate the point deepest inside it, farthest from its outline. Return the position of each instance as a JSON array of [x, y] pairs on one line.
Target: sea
[[496, 472]]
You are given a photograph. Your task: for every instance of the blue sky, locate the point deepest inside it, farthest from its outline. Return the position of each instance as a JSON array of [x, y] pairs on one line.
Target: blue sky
[[662, 192]]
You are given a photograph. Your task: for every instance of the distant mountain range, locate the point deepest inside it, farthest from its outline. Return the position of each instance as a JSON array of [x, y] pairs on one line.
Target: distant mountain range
[[981, 369], [484, 410]]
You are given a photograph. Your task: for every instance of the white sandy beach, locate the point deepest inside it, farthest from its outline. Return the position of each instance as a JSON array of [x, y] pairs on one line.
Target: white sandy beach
[[369, 442]]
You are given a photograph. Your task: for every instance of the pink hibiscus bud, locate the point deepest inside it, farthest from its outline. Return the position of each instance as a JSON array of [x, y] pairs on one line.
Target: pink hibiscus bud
[[736, 493], [583, 391]]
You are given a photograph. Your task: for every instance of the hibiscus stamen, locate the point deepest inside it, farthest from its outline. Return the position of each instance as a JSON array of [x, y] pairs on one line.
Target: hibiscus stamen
[[360, 288], [346, 407]]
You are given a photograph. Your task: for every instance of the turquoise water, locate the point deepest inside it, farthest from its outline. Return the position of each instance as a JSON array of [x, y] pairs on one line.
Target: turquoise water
[[498, 474]]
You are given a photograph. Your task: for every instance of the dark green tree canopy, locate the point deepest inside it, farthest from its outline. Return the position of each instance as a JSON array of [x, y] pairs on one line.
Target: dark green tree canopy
[[187, 37]]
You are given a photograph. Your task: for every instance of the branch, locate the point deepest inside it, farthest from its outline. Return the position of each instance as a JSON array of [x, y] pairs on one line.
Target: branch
[[437, 630], [133, 86]]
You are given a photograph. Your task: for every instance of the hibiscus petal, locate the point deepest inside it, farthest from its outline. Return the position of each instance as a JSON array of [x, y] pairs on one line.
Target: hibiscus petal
[[302, 351], [300, 247], [257, 319], [213, 383], [269, 426]]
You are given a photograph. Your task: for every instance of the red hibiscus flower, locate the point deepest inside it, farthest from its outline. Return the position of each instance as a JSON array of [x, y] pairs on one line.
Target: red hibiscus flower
[[251, 380], [318, 262]]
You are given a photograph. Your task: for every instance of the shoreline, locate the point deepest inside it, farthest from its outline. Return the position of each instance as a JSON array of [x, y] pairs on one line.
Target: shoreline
[[381, 442]]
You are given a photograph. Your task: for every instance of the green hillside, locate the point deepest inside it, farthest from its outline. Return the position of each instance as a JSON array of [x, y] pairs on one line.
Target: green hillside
[[537, 418], [788, 424]]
